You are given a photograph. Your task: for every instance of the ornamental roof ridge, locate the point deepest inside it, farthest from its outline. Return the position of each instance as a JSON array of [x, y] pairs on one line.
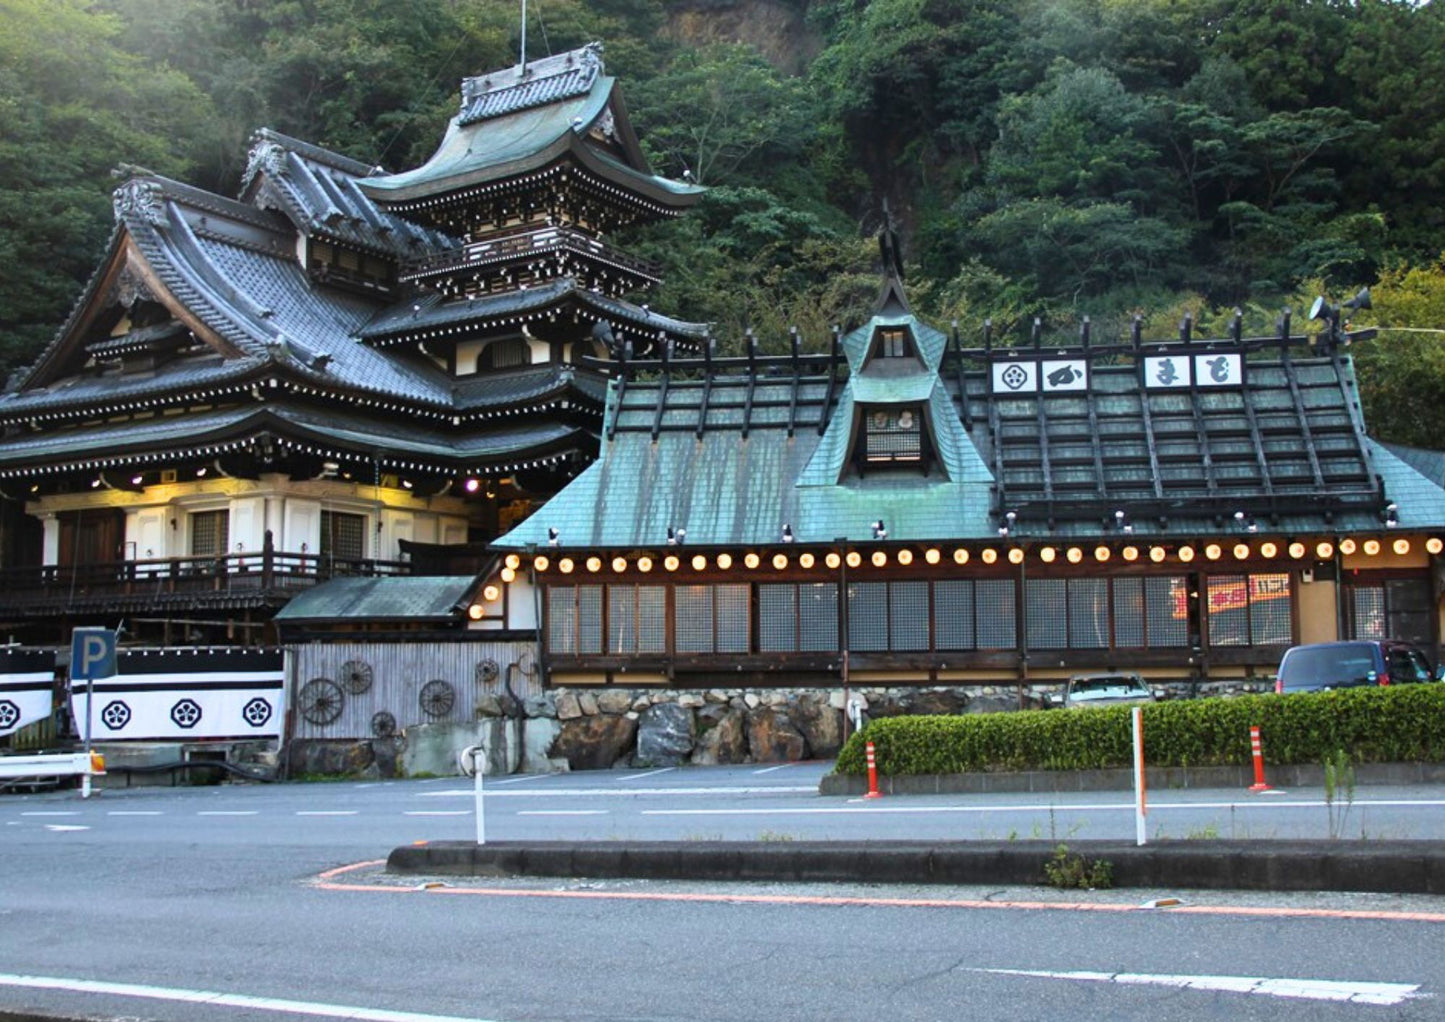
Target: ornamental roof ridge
[[265, 142], [530, 83]]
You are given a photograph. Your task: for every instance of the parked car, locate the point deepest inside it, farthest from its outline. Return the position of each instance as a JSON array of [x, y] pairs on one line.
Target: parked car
[[1106, 690], [1322, 665]]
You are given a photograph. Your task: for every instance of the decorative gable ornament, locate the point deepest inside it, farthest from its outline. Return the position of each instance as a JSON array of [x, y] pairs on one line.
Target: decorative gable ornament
[[142, 199]]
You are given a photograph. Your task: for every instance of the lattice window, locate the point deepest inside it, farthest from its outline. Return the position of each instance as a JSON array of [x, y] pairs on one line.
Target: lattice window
[[652, 619], [1269, 610], [1249, 610], [343, 536], [574, 619], [1046, 613], [953, 614], [868, 616], [1088, 613], [210, 533], [818, 617], [692, 618], [1368, 616], [997, 622], [893, 434], [777, 618], [1166, 602], [733, 633], [908, 616], [1129, 627]]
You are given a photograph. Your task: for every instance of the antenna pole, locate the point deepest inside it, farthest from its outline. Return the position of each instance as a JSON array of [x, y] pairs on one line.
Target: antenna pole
[[524, 36]]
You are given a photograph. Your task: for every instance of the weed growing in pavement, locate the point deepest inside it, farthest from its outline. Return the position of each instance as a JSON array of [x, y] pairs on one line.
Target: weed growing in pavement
[[1209, 832], [1066, 870], [769, 835], [1339, 791]]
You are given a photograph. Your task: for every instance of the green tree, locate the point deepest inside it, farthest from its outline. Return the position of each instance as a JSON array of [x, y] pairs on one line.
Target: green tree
[[73, 106]]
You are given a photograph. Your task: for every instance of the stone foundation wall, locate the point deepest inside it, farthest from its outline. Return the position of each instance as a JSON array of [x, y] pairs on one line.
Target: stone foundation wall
[[597, 729]]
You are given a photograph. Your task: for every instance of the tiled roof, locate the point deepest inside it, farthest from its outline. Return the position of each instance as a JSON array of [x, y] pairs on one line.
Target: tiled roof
[[430, 312], [152, 439], [424, 598], [515, 122], [538, 83], [317, 190]]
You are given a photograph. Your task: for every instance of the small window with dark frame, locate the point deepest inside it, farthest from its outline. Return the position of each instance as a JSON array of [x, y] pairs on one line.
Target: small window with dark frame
[[343, 536], [893, 435], [210, 533], [892, 342]]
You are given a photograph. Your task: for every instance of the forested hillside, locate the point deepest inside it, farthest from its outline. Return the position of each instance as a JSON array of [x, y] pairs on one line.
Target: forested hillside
[[1041, 159]]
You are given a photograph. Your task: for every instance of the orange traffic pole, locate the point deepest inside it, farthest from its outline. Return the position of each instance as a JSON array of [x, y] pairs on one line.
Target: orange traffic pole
[[1257, 749], [873, 791]]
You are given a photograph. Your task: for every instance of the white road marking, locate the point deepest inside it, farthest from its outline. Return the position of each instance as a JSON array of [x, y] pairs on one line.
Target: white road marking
[[50, 812], [562, 812], [65, 826], [631, 792], [133, 812], [768, 770], [512, 780], [439, 812], [314, 1008], [650, 773], [1299, 989], [327, 812], [228, 812]]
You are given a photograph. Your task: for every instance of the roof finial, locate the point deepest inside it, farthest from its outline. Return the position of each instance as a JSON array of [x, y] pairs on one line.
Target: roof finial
[[524, 37], [888, 246]]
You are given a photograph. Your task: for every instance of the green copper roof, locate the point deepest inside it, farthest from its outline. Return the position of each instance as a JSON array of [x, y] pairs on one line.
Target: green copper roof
[[524, 119], [425, 598]]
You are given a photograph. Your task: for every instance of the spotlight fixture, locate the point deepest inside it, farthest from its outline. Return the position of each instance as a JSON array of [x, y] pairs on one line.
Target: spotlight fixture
[[787, 533], [880, 531], [1392, 514], [551, 537]]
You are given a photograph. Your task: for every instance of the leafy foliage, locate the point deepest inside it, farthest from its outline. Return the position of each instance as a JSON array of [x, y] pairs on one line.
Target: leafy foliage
[[1048, 158], [1374, 725]]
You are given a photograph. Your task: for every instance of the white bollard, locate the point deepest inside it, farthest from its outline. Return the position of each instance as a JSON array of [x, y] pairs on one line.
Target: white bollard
[[1140, 809], [471, 763]]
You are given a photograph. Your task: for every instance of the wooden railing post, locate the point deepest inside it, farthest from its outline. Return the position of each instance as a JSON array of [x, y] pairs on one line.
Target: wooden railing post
[[268, 561]]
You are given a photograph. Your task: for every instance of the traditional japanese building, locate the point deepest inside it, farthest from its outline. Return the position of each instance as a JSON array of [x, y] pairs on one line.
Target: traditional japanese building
[[909, 509], [338, 372]]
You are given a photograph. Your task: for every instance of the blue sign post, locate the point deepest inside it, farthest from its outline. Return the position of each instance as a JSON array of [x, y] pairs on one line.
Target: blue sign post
[[92, 657]]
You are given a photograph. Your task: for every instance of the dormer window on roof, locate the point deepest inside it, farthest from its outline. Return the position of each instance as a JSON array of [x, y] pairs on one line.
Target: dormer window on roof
[[893, 435], [892, 342]]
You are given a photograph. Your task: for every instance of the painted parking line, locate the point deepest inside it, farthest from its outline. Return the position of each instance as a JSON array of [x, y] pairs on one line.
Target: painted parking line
[[217, 999], [638, 777], [768, 770], [333, 880], [438, 812], [562, 812], [228, 812], [757, 789], [327, 812], [65, 827], [51, 812], [1387, 994], [133, 812]]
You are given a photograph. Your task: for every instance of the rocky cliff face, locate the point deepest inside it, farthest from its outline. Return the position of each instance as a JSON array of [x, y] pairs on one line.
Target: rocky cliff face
[[778, 30]]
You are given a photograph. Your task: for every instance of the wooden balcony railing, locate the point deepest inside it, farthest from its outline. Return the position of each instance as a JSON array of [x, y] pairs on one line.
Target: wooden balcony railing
[[49, 588]]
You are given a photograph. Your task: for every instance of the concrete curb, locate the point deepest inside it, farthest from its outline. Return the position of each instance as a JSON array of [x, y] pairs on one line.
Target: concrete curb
[[1302, 775], [1397, 867]]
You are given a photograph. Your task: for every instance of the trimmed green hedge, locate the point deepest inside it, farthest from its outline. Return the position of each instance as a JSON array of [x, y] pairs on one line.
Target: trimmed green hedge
[[1403, 723]]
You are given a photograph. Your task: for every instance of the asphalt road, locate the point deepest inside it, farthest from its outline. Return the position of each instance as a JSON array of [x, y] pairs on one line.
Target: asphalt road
[[210, 904]]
